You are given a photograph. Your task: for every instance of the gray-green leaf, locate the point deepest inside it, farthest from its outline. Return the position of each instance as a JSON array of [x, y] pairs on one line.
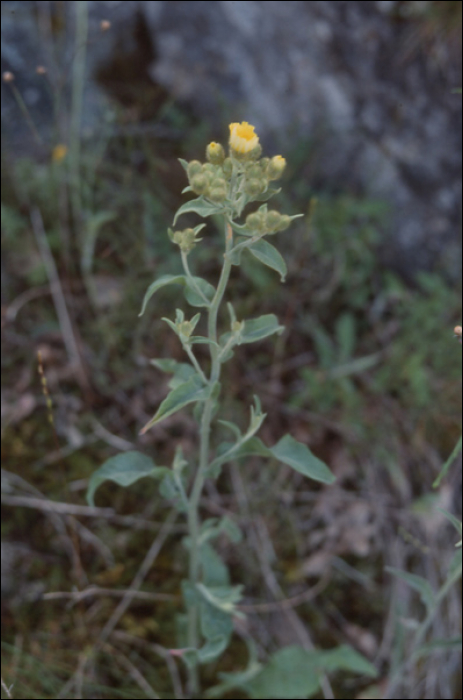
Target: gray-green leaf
[[124, 469], [299, 457], [269, 255], [191, 293], [190, 391], [198, 206]]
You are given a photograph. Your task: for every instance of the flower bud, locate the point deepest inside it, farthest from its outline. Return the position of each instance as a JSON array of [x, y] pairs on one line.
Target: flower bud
[[285, 222], [186, 239], [254, 170], [194, 167], [185, 328], [254, 221], [215, 153], [237, 326], [276, 167], [8, 76], [272, 220], [254, 187], [217, 194], [200, 183]]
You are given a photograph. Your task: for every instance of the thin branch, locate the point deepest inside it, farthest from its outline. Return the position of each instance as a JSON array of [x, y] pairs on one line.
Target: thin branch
[[55, 507], [91, 591], [59, 300]]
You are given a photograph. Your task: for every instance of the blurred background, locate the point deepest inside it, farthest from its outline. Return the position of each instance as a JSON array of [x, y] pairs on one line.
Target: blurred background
[[99, 100]]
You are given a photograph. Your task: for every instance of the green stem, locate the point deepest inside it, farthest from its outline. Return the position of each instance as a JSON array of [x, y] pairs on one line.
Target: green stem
[[200, 478], [194, 362]]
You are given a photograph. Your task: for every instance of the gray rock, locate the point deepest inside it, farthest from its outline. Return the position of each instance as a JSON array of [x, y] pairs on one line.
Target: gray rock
[[359, 79]]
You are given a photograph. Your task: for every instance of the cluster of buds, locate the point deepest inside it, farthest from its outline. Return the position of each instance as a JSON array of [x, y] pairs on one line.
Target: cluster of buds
[[186, 239], [270, 222], [208, 180], [183, 327], [212, 179]]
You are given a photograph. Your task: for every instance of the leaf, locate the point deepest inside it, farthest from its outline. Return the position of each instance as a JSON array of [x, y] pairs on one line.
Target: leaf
[[456, 451], [418, 583], [190, 391], [265, 196], [215, 572], [167, 365], [269, 255], [181, 371], [299, 457], [170, 489], [223, 598], [201, 298], [251, 448], [231, 426], [215, 624], [184, 164], [289, 674], [158, 284], [294, 672], [259, 328], [238, 680], [124, 469], [344, 658], [198, 206], [213, 649], [192, 296]]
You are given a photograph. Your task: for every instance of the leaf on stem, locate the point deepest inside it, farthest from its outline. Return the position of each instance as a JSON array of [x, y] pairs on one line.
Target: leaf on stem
[[124, 469], [298, 456], [269, 255], [191, 290], [294, 672], [198, 206], [181, 371], [190, 391]]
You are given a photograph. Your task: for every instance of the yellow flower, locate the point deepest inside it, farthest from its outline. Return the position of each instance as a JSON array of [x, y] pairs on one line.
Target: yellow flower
[[59, 152], [242, 137]]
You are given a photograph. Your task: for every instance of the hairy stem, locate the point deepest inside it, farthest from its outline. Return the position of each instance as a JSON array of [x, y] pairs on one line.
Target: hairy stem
[[200, 478]]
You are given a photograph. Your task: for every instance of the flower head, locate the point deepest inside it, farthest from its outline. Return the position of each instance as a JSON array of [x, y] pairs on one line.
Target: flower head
[[242, 138]]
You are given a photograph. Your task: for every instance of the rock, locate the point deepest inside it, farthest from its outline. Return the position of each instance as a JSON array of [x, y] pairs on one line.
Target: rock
[[368, 83]]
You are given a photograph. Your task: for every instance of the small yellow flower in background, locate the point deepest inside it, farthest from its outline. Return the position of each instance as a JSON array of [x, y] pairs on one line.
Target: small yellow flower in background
[[242, 138], [105, 25], [59, 152], [458, 330], [8, 76], [41, 70]]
